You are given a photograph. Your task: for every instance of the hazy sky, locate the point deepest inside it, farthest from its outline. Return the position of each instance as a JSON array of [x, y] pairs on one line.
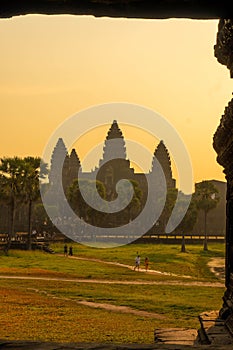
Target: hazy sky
[[52, 67]]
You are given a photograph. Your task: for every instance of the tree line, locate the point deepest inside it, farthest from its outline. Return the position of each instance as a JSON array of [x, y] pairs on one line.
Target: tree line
[[20, 185]]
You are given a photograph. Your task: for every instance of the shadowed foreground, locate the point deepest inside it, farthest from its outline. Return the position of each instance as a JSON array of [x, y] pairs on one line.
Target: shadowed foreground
[[94, 346]]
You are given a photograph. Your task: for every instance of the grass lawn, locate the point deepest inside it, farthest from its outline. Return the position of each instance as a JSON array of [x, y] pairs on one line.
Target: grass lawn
[[33, 316], [163, 257], [50, 310]]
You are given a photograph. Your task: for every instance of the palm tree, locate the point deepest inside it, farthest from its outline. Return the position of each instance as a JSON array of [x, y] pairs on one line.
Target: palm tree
[[11, 185], [33, 169], [206, 198], [19, 180]]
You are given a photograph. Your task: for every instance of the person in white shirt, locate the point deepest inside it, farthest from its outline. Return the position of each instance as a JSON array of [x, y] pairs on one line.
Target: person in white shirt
[[137, 263]]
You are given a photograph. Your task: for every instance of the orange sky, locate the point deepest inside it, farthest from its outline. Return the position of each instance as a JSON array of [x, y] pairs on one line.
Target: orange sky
[[52, 67]]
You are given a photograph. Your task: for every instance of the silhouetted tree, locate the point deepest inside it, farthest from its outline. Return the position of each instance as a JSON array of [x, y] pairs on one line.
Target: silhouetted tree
[[206, 198], [133, 206], [77, 202], [11, 189], [32, 171], [189, 219], [19, 181], [41, 219]]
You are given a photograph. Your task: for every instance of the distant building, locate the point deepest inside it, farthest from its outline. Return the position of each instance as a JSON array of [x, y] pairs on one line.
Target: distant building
[[113, 167]]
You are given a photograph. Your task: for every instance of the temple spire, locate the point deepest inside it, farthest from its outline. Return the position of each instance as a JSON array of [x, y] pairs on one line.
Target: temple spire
[[162, 155], [74, 166], [114, 145], [114, 166], [114, 131], [70, 165], [59, 159]]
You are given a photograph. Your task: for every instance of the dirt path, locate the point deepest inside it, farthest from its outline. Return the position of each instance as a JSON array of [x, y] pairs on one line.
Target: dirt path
[[107, 306], [95, 281], [217, 266], [122, 309], [213, 264], [104, 306], [154, 272]]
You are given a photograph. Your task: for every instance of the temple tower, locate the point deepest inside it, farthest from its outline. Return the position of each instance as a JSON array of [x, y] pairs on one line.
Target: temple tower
[[59, 159], [162, 155], [114, 145], [70, 166], [114, 166], [74, 166]]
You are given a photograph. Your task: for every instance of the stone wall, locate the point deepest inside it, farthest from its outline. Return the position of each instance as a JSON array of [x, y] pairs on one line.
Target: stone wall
[[207, 9]]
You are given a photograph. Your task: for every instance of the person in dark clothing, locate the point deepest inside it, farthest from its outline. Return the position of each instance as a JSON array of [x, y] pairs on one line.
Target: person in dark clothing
[[146, 263], [65, 250], [71, 251]]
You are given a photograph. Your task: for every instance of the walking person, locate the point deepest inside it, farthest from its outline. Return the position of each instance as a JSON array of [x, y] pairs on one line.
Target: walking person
[[65, 250], [146, 263], [137, 262], [71, 251]]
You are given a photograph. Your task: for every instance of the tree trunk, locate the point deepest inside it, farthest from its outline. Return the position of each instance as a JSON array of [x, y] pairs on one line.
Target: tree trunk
[[29, 225], [11, 225], [205, 231]]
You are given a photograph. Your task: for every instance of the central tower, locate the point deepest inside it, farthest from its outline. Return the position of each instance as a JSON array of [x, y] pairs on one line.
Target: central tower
[[114, 166]]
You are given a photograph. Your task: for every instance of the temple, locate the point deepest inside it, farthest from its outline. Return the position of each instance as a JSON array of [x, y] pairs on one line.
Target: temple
[[113, 166]]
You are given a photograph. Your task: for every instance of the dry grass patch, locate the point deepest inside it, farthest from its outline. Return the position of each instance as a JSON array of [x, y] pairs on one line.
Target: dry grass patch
[[36, 272], [32, 316]]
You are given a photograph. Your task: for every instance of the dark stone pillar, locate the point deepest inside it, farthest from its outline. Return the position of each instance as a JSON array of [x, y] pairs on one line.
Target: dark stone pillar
[[229, 232], [223, 145]]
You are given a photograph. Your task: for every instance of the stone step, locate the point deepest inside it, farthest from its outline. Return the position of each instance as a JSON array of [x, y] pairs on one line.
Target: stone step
[[202, 337], [213, 330], [229, 324], [175, 336]]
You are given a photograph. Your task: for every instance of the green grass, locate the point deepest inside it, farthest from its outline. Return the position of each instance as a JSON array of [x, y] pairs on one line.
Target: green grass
[[41, 264], [162, 257], [40, 305]]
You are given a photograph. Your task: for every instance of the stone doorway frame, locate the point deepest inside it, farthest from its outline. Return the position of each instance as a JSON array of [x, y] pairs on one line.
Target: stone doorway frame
[[223, 50]]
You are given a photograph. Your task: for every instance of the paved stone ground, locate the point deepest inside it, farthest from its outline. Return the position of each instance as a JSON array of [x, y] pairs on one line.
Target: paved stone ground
[[24, 345]]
